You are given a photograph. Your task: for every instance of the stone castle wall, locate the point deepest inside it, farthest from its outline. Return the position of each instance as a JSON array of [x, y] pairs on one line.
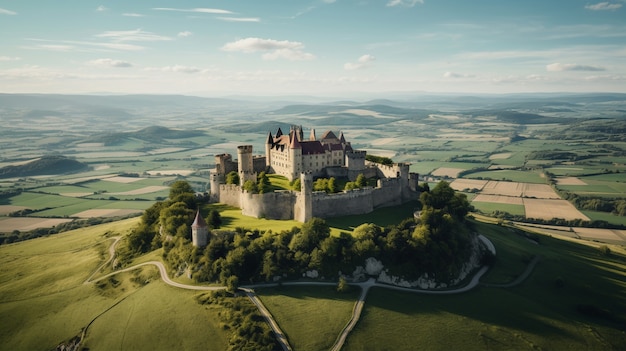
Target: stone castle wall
[[291, 205], [230, 194], [274, 205], [353, 202]]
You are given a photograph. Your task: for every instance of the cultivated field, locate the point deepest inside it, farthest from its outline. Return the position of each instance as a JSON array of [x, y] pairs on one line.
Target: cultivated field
[[549, 208], [22, 224], [447, 172], [499, 199]]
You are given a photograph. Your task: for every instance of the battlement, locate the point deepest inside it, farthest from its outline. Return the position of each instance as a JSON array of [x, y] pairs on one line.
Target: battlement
[[244, 149]]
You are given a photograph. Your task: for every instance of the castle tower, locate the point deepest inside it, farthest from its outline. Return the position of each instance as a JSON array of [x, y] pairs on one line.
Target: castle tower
[[199, 231], [295, 156], [215, 179], [245, 164], [268, 150], [304, 212], [312, 136]]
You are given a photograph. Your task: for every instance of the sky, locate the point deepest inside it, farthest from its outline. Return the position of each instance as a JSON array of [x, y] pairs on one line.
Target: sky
[[314, 47]]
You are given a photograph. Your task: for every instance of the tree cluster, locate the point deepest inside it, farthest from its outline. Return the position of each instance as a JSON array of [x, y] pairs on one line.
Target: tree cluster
[[248, 329]]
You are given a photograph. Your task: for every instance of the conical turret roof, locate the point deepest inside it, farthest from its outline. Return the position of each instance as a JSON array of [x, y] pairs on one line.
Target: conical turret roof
[[199, 222], [295, 144]]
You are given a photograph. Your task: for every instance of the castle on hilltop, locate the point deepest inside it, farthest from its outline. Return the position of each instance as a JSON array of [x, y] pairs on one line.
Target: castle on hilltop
[[294, 157]]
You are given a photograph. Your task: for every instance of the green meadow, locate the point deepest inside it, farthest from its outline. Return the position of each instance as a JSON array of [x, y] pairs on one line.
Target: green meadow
[[311, 317], [543, 313]]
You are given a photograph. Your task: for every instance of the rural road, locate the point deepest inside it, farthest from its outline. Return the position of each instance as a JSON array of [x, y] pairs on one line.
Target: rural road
[[358, 307]]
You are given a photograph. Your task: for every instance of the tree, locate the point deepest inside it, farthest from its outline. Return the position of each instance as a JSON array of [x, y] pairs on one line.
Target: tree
[[320, 184], [250, 186], [214, 219], [263, 183], [296, 185], [232, 178], [180, 187], [360, 181], [332, 185], [443, 197], [342, 285]]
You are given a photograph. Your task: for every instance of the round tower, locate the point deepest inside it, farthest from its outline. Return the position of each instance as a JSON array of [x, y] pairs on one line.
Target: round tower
[[199, 231], [215, 180], [268, 150], [245, 164], [295, 157], [306, 197]]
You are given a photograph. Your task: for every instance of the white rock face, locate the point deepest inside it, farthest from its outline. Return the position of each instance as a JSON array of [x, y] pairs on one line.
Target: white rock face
[[373, 266], [312, 274]]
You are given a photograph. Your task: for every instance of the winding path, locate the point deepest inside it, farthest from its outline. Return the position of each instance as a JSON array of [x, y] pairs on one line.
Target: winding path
[[358, 307]]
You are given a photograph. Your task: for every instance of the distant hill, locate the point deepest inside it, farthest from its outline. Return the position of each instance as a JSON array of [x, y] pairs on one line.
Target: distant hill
[[151, 134], [260, 127], [43, 166]]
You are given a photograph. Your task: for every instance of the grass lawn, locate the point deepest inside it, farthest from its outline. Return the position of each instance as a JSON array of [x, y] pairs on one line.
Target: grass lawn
[[232, 218], [44, 301], [538, 314], [605, 216], [490, 207], [383, 217], [43, 297], [158, 317], [311, 317], [512, 175]]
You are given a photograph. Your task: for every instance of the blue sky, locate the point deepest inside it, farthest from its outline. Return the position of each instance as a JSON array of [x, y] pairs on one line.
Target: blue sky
[[317, 47]]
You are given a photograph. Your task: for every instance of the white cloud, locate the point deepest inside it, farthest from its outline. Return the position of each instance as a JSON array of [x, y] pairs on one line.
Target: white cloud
[[405, 3], [457, 75], [177, 69], [8, 58], [274, 49], [603, 6], [132, 35], [7, 12], [132, 15], [198, 10], [83, 46], [329, 1], [559, 67], [288, 54], [363, 62], [185, 34], [107, 62], [101, 8], [240, 19]]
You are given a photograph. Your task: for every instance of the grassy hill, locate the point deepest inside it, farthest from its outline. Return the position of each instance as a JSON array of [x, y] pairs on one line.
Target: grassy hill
[[42, 166], [572, 300]]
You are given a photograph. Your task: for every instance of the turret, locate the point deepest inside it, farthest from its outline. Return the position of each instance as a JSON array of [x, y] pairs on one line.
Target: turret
[[312, 136], [268, 150], [199, 231], [215, 179], [245, 164], [305, 198], [295, 156]]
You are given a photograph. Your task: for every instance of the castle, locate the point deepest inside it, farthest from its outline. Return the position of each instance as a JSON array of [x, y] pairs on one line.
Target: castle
[[294, 157]]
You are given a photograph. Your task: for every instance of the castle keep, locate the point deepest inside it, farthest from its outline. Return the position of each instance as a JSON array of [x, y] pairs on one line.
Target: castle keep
[[292, 156]]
